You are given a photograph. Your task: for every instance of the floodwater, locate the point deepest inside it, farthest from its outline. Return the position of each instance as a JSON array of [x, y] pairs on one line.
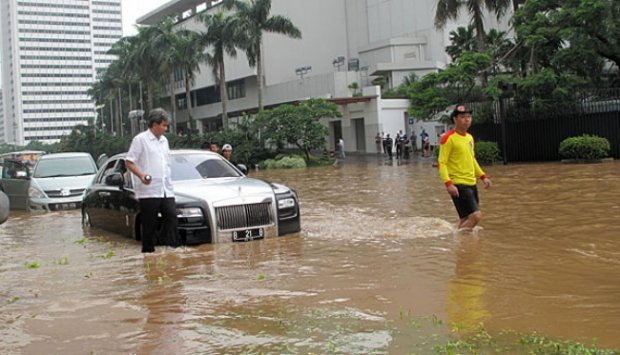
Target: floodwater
[[376, 269]]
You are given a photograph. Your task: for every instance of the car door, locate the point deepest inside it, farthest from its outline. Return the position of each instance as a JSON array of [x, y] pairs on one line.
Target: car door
[[117, 201], [15, 183], [97, 203], [127, 201]]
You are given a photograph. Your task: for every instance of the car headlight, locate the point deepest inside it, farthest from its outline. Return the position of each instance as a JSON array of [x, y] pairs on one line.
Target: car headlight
[[286, 203], [189, 212], [34, 192]]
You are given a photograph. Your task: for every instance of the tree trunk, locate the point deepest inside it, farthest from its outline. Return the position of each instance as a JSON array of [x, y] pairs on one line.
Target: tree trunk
[[141, 99], [305, 150], [188, 99], [481, 46], [173, 106], [112, 104], [259, 77], [130, 98], [149, 96], [223, 95], [120, 112]]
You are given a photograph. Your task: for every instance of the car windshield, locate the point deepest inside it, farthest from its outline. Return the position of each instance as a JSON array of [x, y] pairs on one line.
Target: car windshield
[[200, 166], [68, 166]]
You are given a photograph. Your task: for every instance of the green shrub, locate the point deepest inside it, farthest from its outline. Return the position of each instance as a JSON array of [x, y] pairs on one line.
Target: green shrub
[[316, 161], [284, 162], [585, 147], [487, 152]]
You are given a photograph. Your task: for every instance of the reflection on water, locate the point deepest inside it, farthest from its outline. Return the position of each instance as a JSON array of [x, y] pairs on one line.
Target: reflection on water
[[377, 268]]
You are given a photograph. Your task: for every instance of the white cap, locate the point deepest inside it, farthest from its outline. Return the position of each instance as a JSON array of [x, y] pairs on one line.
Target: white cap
[[227, 147]]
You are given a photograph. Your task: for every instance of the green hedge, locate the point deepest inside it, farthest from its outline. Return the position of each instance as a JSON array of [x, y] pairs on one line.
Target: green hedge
[[487, 152], [284, 162], [585, 147]]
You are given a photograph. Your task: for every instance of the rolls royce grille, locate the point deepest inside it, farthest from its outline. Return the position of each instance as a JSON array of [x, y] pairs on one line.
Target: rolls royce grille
[[244, 216]]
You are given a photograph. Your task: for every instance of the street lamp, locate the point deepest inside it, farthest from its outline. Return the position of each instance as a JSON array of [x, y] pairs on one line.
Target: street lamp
[[338, 62], [301, 71]]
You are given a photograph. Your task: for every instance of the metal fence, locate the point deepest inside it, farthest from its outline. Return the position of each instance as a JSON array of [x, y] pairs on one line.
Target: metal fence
[[527, 134]]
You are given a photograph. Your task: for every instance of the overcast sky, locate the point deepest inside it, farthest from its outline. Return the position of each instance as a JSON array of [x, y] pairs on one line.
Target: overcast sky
[[132, 9]]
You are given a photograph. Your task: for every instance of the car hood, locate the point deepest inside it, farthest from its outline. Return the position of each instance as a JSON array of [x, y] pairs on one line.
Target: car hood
[[66, 182], [224, 190]]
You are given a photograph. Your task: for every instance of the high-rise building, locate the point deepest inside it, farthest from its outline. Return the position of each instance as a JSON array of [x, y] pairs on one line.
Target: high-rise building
[[51, 53]]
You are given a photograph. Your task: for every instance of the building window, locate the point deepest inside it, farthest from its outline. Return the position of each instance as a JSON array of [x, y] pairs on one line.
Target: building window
[[181, 102], [208, 95], [236, 89]]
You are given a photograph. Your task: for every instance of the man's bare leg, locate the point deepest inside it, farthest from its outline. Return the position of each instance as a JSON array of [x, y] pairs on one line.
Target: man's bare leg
[[468, 223]]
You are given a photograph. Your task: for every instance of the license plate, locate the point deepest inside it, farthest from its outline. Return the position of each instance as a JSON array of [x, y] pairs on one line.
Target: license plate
[[247, 235], [66, 206]]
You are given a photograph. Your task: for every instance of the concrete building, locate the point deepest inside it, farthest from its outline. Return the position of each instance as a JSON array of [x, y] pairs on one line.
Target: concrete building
[[343, 42], [1, 114], [51, 52]]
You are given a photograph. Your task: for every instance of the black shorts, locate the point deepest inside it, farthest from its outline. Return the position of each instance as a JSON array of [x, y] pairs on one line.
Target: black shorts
[[467, 202]]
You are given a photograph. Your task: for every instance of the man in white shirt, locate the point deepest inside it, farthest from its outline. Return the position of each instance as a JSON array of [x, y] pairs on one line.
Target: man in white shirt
[[149, 160]]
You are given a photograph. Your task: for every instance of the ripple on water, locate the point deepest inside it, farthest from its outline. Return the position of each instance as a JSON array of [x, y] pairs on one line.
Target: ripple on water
[[331, 222]]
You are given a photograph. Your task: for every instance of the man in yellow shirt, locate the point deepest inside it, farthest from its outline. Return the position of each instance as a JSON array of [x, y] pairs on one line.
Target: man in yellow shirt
[[459, 169]]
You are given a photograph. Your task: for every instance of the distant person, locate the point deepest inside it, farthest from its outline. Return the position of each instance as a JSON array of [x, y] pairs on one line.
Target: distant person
[[401, 137], [378, 142], [148, 159], [459, 169], [426, 143], [340, 148], [406, 147], [205, 146], [387, 145], [227, 153], [214, 147], [383, 140]]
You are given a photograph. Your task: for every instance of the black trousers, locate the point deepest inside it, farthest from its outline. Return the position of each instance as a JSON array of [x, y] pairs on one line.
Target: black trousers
[[167, 233]]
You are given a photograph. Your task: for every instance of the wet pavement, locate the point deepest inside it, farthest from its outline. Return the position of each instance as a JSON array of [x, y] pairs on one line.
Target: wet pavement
[[377, 268]]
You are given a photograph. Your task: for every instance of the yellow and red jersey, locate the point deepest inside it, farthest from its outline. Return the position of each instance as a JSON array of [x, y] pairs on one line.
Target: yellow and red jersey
[[457, 162]]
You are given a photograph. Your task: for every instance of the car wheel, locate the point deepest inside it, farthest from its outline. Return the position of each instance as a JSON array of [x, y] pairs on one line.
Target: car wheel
[[86, 221], [4, 207]]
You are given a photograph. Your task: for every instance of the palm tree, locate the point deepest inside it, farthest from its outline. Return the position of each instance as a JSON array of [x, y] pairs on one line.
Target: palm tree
[[221, 36], [449, 9], [190, 51], [462, 40], [254, 18], [166, 37], [106, 89], [144, 59], [98, 92], [123, 72]]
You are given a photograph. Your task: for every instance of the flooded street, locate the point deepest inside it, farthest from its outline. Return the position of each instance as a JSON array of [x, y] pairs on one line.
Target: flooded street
[[376, 268]]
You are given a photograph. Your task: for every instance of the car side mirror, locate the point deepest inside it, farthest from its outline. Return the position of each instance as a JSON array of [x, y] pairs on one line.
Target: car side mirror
[[243, 168], [114, 179]]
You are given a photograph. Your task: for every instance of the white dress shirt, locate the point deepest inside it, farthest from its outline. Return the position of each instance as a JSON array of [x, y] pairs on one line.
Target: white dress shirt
[[152, 156]]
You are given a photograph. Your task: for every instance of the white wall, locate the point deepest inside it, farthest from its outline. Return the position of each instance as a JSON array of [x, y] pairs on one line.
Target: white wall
[[392, 116], [324, 37]]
